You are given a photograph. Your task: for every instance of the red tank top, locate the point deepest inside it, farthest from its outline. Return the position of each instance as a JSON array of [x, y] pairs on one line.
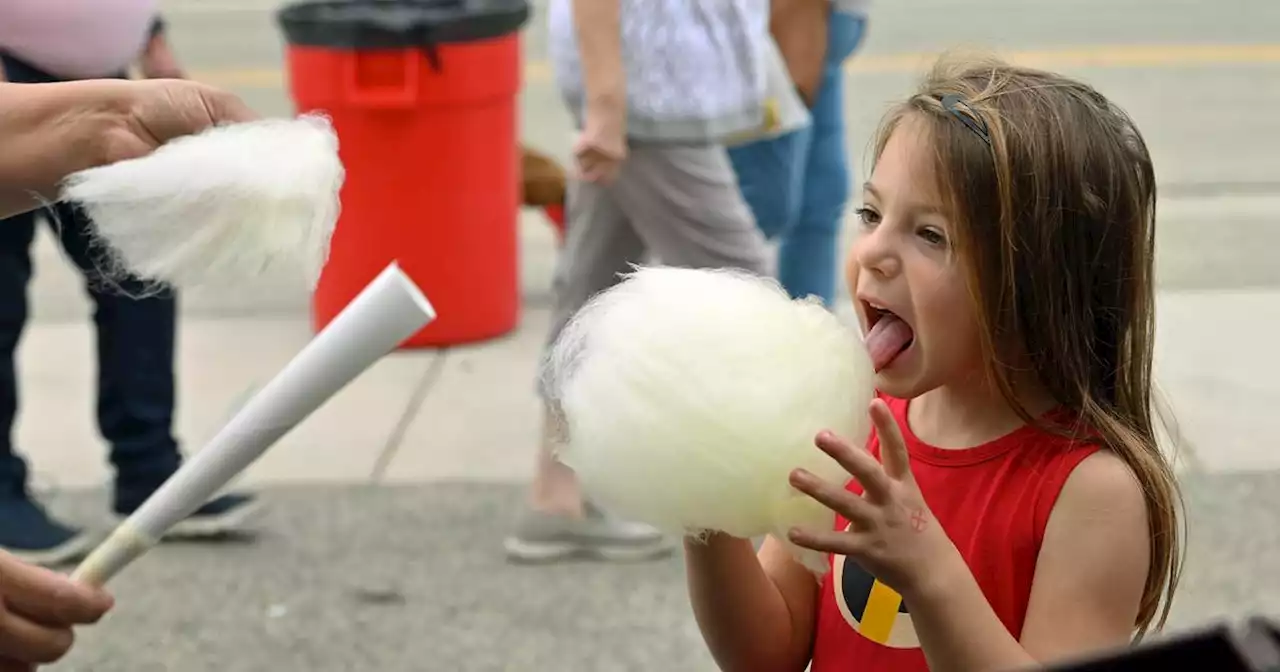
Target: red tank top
[[993, 500]]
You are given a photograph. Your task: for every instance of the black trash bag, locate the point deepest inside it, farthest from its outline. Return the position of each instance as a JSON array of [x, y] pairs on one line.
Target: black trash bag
[[399, 24]]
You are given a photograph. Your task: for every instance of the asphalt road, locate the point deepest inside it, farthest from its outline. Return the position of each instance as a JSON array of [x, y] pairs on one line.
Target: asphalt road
[[410, 578]]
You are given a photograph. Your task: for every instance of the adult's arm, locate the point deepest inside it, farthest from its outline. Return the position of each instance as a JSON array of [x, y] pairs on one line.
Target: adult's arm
[[597, 26], [49, 131], [800, 29], [602, 145]]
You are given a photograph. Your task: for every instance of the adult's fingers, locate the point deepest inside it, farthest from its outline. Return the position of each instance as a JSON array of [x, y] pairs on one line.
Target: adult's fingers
[[166, 109], [26, 641], [593, 167], [16, 666], [226, 107], [47, 597]]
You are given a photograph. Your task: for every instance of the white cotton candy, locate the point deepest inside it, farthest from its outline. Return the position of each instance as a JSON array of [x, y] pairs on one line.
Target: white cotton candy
[[218, 207], [688, 396]]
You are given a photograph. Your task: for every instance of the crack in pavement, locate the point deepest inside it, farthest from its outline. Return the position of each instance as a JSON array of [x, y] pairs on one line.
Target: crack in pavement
[[416, 399]]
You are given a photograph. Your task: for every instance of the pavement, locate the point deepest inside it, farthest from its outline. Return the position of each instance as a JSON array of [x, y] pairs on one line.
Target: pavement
[[380, 548]]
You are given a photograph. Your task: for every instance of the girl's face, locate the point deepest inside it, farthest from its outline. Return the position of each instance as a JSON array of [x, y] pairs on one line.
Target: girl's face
[[908, 287]]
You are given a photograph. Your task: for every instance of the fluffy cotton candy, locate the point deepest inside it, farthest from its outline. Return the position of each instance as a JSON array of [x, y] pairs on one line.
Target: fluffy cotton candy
[[688, 396], [218, 207]]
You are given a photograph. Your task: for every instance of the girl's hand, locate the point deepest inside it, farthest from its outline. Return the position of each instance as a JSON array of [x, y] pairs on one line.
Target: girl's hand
[[892, 534]]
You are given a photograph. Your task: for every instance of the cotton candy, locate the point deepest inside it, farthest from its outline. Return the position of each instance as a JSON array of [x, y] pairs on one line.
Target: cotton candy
[[687, 396], [217, 208]]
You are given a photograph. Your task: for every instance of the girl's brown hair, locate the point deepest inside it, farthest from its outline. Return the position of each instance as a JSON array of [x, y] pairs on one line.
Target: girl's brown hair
[[1052, 194]]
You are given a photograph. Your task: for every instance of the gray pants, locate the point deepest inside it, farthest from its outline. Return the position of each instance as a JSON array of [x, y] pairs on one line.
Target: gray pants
[[679, 203]]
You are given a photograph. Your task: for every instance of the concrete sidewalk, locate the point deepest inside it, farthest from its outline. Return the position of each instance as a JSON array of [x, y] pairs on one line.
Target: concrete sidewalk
[[414, 416]]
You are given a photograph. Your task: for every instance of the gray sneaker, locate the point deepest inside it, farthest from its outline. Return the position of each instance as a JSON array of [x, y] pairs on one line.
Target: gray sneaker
[[544, 537]]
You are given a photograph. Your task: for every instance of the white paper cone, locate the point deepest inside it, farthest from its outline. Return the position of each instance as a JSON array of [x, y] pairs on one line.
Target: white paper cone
[[383, 315]]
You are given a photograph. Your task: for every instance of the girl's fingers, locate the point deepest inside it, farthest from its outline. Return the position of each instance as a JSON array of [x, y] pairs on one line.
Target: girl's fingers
[[860, 464], [824, 541], [893, 446], [855, 509]]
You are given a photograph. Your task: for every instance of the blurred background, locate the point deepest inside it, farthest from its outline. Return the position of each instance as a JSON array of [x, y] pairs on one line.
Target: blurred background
[[381, 548]]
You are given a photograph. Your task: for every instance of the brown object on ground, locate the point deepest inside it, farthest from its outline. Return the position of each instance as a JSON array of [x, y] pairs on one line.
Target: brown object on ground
[[543, 181], [800, 29]]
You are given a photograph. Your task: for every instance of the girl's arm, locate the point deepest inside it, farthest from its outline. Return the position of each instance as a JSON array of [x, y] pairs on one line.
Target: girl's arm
[[755, 612], [1088, 584]]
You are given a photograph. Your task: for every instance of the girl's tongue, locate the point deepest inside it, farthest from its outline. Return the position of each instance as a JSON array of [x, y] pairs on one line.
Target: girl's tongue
[[888, 337]]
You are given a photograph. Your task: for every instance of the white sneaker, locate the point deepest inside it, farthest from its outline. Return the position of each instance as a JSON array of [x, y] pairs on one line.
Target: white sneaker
[[543, 537]]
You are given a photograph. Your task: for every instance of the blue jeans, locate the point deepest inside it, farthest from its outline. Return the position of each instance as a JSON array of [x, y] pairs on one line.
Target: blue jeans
[[135, 347], [798, 184]]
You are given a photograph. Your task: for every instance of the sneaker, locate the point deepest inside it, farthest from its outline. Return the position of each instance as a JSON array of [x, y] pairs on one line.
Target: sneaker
[[28, 533], [222, 516], [544, 537]]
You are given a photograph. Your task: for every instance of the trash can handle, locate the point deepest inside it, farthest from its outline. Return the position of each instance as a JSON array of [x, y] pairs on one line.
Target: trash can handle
[[402, 95], [427, 36]]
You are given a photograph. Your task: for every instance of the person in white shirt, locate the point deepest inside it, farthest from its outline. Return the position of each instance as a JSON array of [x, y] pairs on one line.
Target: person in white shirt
[[67, 40], [655, 87]]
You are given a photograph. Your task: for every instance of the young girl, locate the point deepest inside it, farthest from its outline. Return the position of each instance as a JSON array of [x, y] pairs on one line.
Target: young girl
[[1011, 507]]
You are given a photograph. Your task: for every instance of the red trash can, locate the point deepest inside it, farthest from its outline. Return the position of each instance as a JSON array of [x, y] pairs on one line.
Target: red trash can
[[422, 95]]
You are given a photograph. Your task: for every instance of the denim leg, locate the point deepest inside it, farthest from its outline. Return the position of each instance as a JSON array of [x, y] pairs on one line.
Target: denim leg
[[770, 176], [136, 328], [16, 234], [135, 344], [808, 259]]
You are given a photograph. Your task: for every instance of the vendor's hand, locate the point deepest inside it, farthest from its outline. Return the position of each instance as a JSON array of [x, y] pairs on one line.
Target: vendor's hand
[[601, 147], [892, 534], [38, 609], [54, 130], [157, 111]]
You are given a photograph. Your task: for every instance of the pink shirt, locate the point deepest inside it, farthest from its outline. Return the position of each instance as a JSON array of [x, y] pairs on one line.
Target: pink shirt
[[76, 39]]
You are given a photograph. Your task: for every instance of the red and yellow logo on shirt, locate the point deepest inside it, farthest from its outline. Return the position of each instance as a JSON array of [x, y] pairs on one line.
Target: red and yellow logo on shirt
[[871, 608]]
